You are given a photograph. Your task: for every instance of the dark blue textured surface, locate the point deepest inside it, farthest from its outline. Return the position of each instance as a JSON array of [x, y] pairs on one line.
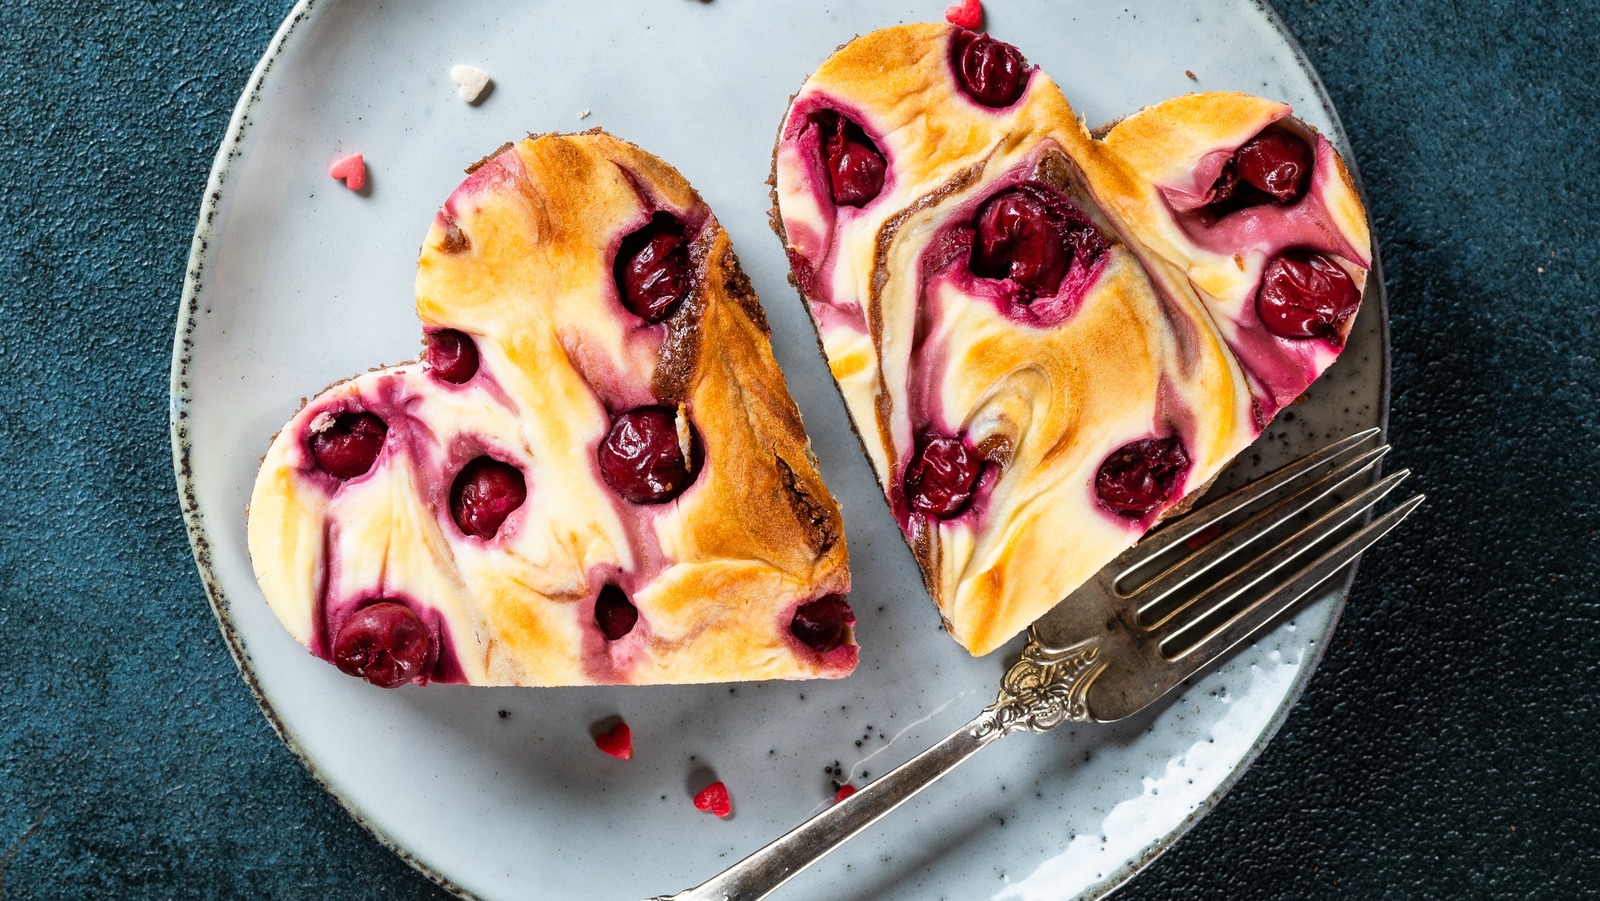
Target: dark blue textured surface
[[1447, 747]]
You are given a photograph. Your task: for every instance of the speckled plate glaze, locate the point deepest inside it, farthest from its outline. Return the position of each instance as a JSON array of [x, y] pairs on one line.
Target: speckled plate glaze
[[295, 282]]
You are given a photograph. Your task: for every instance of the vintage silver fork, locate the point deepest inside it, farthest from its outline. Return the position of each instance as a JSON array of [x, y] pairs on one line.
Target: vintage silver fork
[[1145, 623]]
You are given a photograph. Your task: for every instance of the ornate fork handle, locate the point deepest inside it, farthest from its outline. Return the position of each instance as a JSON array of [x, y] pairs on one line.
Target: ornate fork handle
[[1041, 691]]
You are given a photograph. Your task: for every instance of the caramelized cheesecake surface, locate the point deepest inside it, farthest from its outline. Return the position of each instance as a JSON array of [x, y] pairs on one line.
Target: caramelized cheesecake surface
[[1047, 340], [594, 474]]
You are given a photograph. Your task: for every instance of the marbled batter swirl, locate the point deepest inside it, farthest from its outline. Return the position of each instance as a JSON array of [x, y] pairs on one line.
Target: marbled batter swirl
[[478, 536], [1045, 340]]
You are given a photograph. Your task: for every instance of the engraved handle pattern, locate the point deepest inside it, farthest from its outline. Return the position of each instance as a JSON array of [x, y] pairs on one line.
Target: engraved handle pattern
[[1043, 690]]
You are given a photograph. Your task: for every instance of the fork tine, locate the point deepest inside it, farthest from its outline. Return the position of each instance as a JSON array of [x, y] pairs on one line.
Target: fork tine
[[1266, 609], [1226, 591], [1197, 521], [1157, 589]]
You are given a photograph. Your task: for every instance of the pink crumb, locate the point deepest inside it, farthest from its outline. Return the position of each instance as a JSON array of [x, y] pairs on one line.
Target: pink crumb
[[1202, 538], [618, 742], [714, 799], [352, 170], [845, 791], [969, 14]]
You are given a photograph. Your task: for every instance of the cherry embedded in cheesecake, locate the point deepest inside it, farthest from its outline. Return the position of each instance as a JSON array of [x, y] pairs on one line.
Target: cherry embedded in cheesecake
[[452, 356], [1304, 294], [991, 72], [852, 160], [823, 624], [614, 613], [643, 457], [1276, 163], [1274, 167], [349, 445], [1141, 476], [942, 476], [1033, 237], [485, 492], [384, 643], [1016, 239], [652, 268]]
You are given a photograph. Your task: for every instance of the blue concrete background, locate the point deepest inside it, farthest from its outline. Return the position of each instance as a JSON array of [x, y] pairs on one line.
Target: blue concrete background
[[1446, 748]]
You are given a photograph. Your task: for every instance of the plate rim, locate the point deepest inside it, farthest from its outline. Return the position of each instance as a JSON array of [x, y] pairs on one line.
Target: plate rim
[[1375, 293], [179, 401], [182, 448]]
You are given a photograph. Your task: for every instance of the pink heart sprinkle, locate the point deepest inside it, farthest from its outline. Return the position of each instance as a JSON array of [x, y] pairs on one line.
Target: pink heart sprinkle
[[618, 742], [352, 170], [845, 791], [714, 799], [968, 15]]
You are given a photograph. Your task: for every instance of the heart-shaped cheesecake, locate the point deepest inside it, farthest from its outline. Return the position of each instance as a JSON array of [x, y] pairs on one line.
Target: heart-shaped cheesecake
[[1046, 341], [1259, 215], [594, 473]]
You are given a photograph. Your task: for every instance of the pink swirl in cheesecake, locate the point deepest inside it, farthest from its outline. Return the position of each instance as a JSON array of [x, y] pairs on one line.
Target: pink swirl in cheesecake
[[1295, 320]]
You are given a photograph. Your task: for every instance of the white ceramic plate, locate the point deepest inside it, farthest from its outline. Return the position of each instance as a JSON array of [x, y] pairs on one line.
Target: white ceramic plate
[[296, 282]]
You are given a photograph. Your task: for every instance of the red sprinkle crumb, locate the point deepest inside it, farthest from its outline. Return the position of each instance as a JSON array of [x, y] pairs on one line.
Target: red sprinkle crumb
[[1202, 538], [845, 791], [352, 170], [969, 14], [618, 742], [714, 799]]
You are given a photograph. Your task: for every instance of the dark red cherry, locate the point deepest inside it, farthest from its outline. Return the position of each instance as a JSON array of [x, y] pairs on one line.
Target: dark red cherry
[[348, 446], [1140, 476], [1305, 295], [1272, 167], [642, 457], [1226, 193], [823, 624], [452, 356], [1276, 163], [942, 476], [484, 493], [652, 268], [855, 172], [384, 643], [1085, 239], [855, 165], [992, 72], [614, 613], [1018, 239]]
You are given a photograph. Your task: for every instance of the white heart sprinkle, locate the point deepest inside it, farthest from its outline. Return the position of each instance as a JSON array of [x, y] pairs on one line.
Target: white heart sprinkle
[[472, 81]]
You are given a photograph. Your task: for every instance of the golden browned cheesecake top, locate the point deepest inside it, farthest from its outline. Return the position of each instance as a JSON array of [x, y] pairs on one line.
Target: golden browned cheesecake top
[[594, 474], [1032, 329]]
